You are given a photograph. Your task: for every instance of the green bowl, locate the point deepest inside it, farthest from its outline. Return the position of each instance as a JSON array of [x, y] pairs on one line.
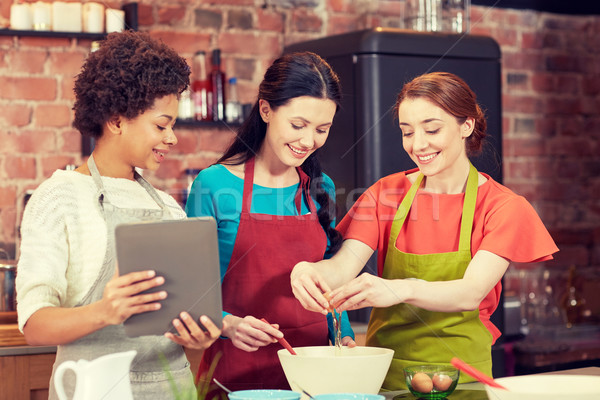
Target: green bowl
[[431, 382]]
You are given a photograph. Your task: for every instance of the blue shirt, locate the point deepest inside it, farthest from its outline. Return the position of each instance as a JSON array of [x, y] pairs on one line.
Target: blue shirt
[[217, 193]]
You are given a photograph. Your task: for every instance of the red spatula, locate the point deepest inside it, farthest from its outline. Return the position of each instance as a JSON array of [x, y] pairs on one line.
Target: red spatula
[[282, 341], [480, 376]]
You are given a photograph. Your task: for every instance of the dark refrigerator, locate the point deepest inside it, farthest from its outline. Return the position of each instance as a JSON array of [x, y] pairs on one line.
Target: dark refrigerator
[[365, 142]]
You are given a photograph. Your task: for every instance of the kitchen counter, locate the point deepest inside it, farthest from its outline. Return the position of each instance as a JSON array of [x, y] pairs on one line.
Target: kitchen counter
[[558, 348], [11, 336], [12, 341], [594, 371], [26, 350], [27, 368]]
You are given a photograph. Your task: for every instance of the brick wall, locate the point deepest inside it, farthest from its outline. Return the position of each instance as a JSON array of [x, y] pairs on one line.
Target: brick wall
[[551, 118], [551, 86]]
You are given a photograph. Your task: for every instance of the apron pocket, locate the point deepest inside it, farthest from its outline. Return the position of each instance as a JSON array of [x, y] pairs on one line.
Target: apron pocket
[[154, 385]]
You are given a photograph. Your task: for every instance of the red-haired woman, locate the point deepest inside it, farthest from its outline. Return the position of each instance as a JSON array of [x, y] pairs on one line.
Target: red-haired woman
[[439, 269]]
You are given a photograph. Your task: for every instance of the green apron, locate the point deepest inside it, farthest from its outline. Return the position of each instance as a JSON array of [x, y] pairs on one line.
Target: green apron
[[416, 335]]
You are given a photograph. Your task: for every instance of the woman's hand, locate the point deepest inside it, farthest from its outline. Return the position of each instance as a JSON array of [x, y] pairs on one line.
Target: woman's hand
[[121, 298], [310, 280], [348, 341], [250, 333], [308, 287], [367, 290], [465, 294], [190, 333]]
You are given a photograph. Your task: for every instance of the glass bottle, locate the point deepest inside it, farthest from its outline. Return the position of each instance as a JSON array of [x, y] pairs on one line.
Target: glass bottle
[[456, 16], [423, 15], [201, 88], [572, 302], [437, 15], [551, 313], [186, 106], [233, 111], [217, 80]]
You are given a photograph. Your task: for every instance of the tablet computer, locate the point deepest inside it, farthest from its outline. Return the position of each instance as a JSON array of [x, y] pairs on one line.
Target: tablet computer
[[186, 253]]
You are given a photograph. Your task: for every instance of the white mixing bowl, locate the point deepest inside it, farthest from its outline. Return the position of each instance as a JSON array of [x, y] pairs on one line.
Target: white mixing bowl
[[319, 370], [546, 387]]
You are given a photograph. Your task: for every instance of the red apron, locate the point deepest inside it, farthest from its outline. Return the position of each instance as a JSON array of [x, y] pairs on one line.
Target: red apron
[[257, 283]]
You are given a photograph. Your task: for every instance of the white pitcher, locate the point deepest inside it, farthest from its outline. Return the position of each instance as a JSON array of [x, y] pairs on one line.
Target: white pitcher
[[105, 378]]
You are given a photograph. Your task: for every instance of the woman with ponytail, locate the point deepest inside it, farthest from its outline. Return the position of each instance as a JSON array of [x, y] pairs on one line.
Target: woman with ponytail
[[439, 269], [274, 208]]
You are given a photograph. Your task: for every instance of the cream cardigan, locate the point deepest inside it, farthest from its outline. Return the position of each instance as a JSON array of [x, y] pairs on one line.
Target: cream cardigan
[[64, 238]]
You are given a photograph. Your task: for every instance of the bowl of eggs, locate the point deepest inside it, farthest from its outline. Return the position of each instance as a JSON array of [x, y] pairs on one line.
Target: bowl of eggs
[[431, 382]]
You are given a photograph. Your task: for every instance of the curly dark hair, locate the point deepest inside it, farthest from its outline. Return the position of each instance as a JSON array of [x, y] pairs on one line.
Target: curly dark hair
[[124, 77]]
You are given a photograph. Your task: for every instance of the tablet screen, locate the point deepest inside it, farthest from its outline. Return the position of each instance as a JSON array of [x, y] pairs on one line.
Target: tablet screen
[[186, 253]]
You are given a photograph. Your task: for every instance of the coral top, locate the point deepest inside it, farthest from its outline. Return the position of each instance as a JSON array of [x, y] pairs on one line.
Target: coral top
[[504, 224]]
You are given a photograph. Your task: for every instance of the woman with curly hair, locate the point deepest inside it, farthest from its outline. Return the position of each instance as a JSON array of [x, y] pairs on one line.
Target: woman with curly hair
[[70, 293]]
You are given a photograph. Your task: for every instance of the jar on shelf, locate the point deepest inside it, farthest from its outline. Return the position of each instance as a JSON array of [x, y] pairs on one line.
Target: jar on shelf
[[233, 110], [437, 15], [185, 109]]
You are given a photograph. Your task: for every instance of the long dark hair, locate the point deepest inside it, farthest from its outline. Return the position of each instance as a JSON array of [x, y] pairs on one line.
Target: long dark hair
[[290, 76]]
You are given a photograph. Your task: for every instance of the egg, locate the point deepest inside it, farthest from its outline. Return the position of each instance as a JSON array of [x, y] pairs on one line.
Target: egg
[[421, 382], [441, 382]]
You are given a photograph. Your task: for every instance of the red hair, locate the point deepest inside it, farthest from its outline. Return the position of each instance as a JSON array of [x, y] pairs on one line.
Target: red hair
[[453, 95]]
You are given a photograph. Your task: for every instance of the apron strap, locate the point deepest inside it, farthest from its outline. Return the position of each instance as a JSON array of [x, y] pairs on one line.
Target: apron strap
[[249, 182], [466, 221], [94, 172], [103, 199], [304, 187], [151, 191], [403, 209]]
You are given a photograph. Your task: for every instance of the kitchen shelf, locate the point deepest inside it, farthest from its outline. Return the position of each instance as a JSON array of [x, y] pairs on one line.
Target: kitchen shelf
[[52, 34], [131, 22]]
